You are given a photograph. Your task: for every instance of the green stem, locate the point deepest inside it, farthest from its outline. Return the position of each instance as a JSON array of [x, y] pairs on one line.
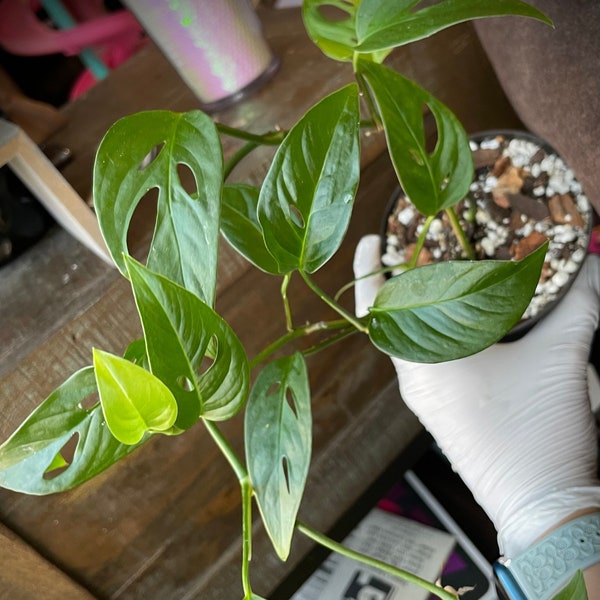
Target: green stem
[[381, 271], [372, 562], [420, 241], [460, 234], [286, 303], [295, 334], [346, 332], [237, 157], [246, 535], [236, 464], [247, 491], [271, 138], [345, 314]]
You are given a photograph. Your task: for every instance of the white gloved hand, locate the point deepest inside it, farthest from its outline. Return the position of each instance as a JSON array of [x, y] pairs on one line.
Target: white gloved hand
[[514, 420]]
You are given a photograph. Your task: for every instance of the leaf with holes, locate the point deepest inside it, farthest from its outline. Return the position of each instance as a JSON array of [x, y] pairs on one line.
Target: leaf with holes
[[240, 226], [183, 333], [307, 196], [334, 34], [449, 310], [185, 242], [385, 24], [433, 181], [331, 25], [134, 401], [278, 430], [32, 459]]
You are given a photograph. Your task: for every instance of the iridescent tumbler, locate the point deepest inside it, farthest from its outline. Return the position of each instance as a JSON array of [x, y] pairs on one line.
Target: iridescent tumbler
[[216, 46]]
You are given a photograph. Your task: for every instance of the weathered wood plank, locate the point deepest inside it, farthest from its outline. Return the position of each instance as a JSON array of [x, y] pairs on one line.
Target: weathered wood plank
[[26, 575]]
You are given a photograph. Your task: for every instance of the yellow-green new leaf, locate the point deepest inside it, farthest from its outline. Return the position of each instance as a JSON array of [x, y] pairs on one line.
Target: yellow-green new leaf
[[134, 401]]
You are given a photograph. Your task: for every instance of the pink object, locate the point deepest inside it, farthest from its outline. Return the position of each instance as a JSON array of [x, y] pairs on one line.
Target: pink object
[[594, 246], [115, 36]]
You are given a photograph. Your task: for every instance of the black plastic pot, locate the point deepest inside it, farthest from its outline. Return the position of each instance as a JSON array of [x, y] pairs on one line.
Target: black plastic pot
[[584, 208]]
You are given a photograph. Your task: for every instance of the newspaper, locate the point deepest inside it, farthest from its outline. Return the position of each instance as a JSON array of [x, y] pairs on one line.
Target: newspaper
[[406, 544]]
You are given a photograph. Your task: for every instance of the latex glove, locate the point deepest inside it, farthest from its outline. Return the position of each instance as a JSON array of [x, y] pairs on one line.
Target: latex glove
[[515, 420]]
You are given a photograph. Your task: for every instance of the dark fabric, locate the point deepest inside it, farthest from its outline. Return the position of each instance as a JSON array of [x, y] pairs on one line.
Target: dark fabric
[[552, 78]]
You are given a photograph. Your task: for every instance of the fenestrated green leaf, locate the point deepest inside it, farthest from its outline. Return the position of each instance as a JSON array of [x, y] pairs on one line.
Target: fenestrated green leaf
[[35, 449], [278, 430], [185, 242], [307, 196], [449, 310], [575, 590], [373, 28], [384, 24], [435, 180], [240, 226], [134, 401], [183, 333], [335, 36]]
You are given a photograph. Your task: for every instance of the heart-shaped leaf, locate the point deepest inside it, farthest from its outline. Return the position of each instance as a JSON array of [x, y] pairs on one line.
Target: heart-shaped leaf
[[385, 24], [240, 226], [185, 242], [36, 448], [435, 180], [134, 401], [278, 429], [307, 196], [182, 335], [449, 310]]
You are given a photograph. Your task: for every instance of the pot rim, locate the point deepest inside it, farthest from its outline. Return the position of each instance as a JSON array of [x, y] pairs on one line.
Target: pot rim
[[524, 325]]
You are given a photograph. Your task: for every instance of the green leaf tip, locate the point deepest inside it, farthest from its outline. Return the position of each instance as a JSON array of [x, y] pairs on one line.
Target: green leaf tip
[[307, 196], [450, 310], [278, 428]]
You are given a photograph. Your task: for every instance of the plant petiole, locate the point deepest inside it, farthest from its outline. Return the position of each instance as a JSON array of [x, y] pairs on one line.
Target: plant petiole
[[381, 271], [286, 303], [420, 241], [247, 492], [271, 138], [344, 333], [295, 334], [332, 304], [237, 157], [460, 234], [236, 464], [246, 534], [327, 542]]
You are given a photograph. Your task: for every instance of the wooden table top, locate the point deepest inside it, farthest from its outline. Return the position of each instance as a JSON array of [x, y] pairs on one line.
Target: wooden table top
[[165, 523]]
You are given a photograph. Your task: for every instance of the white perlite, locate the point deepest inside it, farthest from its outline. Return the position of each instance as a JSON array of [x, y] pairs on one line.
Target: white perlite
[[551, 177]]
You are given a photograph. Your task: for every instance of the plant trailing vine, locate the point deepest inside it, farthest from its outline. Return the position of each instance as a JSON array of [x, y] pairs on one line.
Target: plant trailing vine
[[294, 222]]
